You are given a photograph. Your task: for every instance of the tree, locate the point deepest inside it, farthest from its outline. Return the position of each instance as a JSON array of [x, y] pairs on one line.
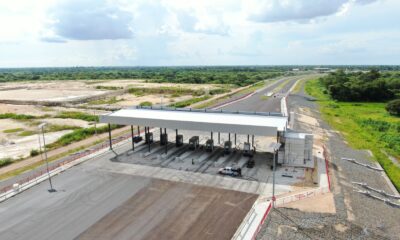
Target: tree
[[393, 107]]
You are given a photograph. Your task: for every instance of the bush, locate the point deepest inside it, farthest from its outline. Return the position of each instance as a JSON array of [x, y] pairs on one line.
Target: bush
[[13, 130], [108, 87], [146, 104], [188, 102], [78, 115], [393, 107], [5, 161], [34, 152], [16, 116], [77, 135], [27, 133]]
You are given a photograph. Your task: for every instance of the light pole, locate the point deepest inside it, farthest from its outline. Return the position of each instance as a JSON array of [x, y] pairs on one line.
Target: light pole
[[41, 127]]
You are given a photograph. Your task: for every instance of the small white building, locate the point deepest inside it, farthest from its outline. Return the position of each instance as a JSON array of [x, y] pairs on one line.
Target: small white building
[[297, 150]]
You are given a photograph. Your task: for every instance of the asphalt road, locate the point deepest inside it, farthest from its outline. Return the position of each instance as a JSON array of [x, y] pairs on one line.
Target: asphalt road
[[84, 195], [94, 203], [257, 102]]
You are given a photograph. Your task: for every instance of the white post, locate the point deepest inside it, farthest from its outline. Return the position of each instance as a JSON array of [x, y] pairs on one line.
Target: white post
[[41, 126]]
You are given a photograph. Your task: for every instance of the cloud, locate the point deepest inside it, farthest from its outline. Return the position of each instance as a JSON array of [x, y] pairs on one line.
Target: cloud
[[298, 10], [53, 39], [207, 24], [89, 20]]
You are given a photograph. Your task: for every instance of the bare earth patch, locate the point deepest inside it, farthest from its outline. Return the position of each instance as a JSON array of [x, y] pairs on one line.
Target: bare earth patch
[[321, 204]]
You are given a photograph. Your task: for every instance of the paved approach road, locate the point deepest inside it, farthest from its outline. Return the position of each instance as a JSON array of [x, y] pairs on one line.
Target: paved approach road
[[259, 102]]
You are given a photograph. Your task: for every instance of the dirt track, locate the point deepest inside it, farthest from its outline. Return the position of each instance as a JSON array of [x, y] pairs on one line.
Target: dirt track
[[172, 210]]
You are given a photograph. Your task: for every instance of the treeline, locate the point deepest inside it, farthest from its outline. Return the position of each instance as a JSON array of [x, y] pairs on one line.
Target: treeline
[[362, 86], [240, 76]]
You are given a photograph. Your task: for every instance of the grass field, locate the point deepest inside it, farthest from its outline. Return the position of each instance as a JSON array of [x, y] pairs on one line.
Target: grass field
[[364, 126]]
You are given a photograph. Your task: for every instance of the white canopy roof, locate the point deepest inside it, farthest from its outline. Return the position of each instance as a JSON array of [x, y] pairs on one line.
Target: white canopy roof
[[240, 123]]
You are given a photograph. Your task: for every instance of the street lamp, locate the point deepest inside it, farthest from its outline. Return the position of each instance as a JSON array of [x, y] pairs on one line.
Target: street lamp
[[41, 127]]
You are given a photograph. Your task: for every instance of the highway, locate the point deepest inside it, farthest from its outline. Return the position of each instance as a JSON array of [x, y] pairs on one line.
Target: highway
[[259, 102]]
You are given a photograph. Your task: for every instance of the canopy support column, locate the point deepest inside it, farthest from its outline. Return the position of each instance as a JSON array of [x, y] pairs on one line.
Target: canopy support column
[[166, 144], [133, 142]]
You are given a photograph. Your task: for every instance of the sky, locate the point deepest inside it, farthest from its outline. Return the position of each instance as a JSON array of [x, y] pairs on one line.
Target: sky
[[62, 33]]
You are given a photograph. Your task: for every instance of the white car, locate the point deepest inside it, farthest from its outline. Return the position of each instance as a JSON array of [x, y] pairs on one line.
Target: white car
[[230, 171]]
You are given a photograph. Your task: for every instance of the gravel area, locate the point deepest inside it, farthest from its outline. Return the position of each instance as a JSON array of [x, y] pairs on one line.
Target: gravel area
[[357, 216]]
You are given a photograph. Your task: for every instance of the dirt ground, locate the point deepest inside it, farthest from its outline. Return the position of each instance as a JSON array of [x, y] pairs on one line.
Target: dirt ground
[[172, 210], [132, 100], [319, 204], [54, 95], [22, 109], [61, 91]]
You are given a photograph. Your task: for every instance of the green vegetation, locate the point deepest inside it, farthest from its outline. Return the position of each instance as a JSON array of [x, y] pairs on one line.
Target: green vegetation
[[48, 128], [393, 107], [78, 115], [237, 75], [146, 104], [13, 130], [359, 86], [50, 159], [112, 88], [34, 152], [212, 102], [56, 128], [105, 101], [26, 133], [364, 126], [78, 135], [16, 116], [5, 161], [165, 90], [189, 102], [176, 91]]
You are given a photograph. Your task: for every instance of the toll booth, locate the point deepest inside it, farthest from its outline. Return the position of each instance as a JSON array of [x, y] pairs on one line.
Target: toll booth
[[164, 139], [194, 142], [210, 145], [149, 138], [179, 140], [247, 150], [227, 147]]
